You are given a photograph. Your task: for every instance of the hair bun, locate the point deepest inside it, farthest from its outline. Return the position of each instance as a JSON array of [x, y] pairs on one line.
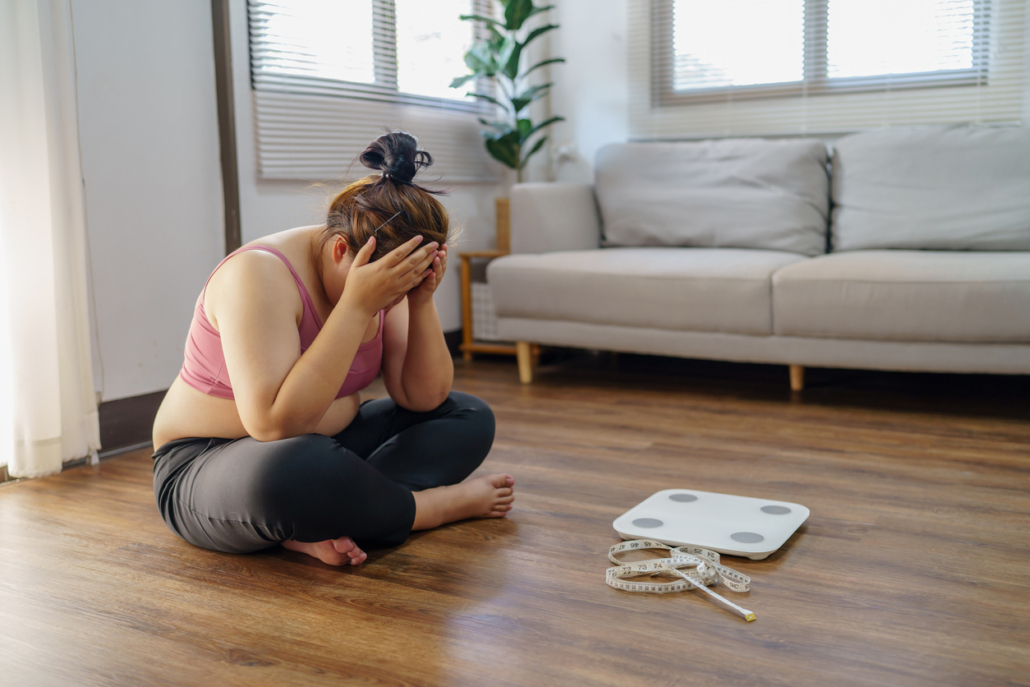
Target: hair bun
[[397, 156]]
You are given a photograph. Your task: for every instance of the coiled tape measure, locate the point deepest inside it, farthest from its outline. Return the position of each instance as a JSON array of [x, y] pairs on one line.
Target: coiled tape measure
[[695, 567]]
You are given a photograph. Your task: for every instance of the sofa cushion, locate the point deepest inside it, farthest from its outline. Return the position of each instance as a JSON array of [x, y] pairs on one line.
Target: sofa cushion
[[704, 289], [734, 193], [939, 188], [906, 295]]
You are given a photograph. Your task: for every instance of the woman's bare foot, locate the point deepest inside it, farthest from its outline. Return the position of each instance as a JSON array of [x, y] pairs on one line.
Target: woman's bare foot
[[490, 496], [342, 551]]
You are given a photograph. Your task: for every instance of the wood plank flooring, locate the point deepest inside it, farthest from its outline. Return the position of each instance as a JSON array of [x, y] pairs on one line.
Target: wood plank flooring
[[914, 568]]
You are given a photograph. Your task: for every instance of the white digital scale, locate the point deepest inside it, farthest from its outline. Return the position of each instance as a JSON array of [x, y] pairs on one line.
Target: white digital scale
[[734, 525]]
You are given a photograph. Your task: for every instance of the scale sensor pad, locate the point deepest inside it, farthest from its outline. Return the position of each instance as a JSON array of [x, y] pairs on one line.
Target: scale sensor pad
[[734, 525]]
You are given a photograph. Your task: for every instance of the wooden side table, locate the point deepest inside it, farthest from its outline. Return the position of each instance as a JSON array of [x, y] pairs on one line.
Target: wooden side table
[[468, 344]]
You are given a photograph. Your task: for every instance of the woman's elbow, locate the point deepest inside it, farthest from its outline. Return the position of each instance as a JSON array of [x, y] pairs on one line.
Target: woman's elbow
[[266, 435], [426, 401], [264, 432], [270, 430]]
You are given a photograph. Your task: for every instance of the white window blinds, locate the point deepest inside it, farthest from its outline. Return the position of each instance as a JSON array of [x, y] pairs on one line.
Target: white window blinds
[[331, 75], [751, 67]]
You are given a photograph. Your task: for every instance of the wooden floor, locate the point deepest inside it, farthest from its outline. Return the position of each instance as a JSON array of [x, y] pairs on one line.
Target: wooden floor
[[914, 568]]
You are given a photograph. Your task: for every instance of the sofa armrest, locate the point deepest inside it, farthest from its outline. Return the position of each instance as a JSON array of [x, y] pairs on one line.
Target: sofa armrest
[[551, 217]]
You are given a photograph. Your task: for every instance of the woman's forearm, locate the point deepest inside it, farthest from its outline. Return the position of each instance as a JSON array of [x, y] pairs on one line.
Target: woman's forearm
[[312, 384], [428, 371]]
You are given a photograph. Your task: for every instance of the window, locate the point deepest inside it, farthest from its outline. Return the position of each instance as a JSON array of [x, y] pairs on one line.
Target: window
[[715, 43], [715, 68], [431, 45], [330, 75], [393, 50], [764, 48], [324, 40]]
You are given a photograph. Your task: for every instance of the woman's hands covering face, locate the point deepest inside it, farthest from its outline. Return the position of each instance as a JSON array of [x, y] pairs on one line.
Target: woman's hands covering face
[[423, 293], [380, 285]]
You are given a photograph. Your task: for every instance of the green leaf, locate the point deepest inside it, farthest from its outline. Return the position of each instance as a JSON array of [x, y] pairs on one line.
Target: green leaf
[[524, 126], [495, 35], [539, 31], [505, 149], [538, 10], [511, 65], [516, 13], [541, 125], [536, 146], [478, 17], [553, 60], [509, 48], [480, 59], [520, 101], [488, 98], [531, 94], [462, 80], [496, 124]]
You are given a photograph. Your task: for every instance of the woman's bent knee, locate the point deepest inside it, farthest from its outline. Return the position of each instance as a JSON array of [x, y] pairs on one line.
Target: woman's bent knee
[[476, 435], [472, 408], [475, 411]]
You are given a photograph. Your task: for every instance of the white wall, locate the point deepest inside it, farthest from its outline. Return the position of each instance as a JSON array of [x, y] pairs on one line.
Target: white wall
[[267, 207], [590, 89], [148, 131]]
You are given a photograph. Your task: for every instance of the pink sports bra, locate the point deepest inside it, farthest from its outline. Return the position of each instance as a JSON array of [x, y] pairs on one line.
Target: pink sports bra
[[204, 365]]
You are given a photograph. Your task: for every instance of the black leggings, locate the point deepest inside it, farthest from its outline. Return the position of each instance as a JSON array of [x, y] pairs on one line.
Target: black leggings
[[243, 495]]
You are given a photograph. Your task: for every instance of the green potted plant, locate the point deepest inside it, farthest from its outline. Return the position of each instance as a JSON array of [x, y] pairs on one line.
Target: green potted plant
[[499, 58]]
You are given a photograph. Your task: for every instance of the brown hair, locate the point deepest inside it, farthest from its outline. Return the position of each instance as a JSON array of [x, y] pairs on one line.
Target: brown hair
[[390, 205]]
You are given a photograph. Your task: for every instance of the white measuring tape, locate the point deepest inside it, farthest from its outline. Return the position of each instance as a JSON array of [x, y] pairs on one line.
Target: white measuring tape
[[703, 569]]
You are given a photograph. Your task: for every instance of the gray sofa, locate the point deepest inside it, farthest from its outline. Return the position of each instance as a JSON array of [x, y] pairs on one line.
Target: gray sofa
[[904, 249]]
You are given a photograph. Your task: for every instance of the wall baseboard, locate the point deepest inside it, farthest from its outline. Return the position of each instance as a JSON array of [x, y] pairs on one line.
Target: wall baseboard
[[128, 422]]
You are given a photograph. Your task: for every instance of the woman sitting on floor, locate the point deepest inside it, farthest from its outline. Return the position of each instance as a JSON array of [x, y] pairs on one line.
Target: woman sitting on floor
[[285, 453]]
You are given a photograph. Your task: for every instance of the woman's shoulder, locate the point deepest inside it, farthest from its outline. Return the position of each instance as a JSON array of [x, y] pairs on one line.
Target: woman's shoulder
[[250, 267], [292, 244], [258, 276], [288, 237]]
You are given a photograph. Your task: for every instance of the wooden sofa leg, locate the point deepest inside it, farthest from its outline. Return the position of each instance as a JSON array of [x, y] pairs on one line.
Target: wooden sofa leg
[[524, 353], [797, 377]]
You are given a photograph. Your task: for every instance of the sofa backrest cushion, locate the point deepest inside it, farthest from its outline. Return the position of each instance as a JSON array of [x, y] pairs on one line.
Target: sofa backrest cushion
[[938, 188], [732, 193]]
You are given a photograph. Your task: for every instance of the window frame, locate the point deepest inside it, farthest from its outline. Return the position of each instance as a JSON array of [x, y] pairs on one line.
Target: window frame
[[814, 80], [384, 55]]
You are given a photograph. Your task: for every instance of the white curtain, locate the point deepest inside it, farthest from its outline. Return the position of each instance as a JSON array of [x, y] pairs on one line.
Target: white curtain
[[48, 406]]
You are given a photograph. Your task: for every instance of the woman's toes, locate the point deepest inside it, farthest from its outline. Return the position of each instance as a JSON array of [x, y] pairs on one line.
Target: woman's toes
[[501, 481], [347, 551], [344, 545]]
